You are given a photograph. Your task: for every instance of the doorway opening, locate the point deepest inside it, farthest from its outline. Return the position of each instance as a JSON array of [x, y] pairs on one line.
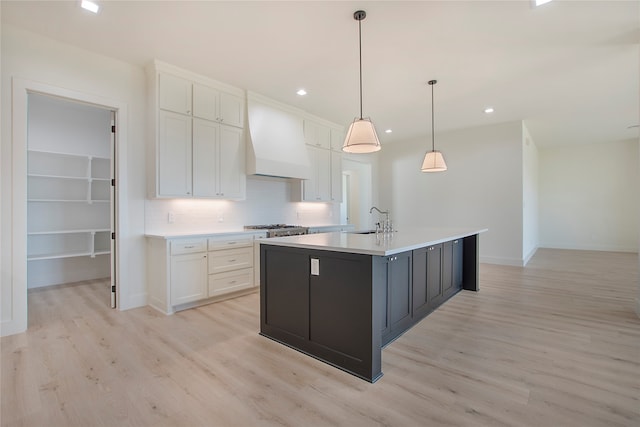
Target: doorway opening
[[70, 194], [357, 194]]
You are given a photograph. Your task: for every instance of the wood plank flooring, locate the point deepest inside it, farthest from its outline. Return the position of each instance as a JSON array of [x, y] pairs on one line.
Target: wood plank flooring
[[556, 343]]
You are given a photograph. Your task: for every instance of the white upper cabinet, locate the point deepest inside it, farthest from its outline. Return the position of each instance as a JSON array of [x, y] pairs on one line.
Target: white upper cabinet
[[231, 110], [205, 158], [199, 142], [205, 102], [337, 139], [317, 134], [336, 176], [175, 94], [218, 161], [324, 145], [318, 187], [174, 154], [198, 100], [232, 183]]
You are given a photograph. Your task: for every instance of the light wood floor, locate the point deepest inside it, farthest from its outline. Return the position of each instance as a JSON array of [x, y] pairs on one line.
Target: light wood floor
[[554, 344]]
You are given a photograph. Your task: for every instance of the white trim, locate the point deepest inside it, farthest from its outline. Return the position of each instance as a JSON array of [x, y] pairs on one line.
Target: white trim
[[603, 248], [530, 255], [501, 261], [17, 322]]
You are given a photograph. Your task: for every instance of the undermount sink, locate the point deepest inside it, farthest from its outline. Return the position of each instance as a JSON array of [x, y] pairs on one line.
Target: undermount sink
[[363, 232]]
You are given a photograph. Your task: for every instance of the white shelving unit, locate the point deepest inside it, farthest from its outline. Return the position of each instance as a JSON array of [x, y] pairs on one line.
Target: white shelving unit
[[69, 205]]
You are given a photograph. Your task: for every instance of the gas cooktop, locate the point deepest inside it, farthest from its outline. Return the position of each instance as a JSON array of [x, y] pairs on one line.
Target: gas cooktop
[[279, 230], [269, 226]]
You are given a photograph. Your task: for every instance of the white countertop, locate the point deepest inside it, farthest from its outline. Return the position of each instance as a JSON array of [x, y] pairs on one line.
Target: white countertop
[[234, 231], [196, 234], [374, 244]]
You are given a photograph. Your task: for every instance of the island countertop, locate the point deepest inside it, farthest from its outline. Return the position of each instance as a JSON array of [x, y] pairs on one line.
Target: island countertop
[[382, 244]]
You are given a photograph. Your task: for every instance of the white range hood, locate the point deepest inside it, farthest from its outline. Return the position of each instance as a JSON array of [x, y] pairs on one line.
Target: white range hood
[[276, 139]]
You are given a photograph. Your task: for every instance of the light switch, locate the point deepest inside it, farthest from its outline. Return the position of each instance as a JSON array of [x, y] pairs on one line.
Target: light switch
[[315, 267]]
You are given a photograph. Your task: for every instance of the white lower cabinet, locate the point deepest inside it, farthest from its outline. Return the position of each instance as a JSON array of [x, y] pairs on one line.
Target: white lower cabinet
[[183, 273], [188, 271], [230, 265], [230, 281], [188, 278]]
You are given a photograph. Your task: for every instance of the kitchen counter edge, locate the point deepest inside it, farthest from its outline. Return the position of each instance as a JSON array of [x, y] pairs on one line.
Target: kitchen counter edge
[[372, 244]]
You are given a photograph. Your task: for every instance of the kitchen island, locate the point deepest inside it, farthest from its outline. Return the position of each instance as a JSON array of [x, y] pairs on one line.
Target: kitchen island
[[341, 297]]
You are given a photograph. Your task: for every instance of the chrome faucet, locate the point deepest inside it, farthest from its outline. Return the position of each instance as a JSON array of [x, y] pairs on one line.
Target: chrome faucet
[[386, 225], [385, 212]]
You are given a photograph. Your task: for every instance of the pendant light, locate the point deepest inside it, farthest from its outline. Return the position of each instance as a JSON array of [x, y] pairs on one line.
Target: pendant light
[[361, 137], [433, 160]]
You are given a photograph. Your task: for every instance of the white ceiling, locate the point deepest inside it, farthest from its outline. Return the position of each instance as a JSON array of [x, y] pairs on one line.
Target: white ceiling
[[569, 68]]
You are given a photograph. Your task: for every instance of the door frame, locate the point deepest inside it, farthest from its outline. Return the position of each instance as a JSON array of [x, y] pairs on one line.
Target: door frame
[[17, 320]]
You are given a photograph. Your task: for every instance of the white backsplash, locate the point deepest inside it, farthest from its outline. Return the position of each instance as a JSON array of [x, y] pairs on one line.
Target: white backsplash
[[268, 202]]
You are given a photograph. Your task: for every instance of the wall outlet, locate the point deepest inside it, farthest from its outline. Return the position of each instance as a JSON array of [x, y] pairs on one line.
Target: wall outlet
[[220, 216], [171, 218]]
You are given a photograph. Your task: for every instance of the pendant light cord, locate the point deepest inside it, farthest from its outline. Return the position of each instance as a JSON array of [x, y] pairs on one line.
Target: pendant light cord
[[433, 131], [360, 51]]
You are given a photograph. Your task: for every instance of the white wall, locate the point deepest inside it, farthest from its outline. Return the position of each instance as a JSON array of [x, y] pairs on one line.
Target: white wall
[[361, 191], [481, 188], [589, 197], [32, 58], [530, 197]]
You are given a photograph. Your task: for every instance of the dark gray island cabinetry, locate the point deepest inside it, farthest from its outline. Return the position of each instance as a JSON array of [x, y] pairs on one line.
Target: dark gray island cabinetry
[[341, 297]]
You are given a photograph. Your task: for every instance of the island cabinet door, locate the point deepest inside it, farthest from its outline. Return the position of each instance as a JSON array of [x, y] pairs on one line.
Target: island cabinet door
[[341, 311], [452, 267], [284, 302], [395, 273], [427, 279]]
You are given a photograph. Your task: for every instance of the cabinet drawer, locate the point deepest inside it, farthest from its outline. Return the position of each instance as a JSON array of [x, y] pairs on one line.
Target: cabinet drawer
[[231, 259], [230, 281], [241, 241], [188, 246]]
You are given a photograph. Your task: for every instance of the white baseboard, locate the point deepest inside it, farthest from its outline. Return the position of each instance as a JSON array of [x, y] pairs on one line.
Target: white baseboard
[[501, 261], [603, 248]]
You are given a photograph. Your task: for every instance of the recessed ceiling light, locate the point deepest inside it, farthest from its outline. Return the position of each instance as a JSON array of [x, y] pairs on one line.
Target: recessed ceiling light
[[540, 2], [388, 131], [301, 92], [488, 110], [90, 6]]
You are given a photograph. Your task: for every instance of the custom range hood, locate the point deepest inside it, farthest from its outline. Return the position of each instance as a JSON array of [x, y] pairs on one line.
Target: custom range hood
[[276, 139]]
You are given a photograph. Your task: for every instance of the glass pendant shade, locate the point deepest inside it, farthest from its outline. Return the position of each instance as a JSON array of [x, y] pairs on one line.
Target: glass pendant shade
[[361, 137], [433, 162]]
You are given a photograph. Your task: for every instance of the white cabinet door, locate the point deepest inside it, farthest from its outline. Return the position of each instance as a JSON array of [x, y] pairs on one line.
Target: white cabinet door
[[316, 134], [232, 177], [231, 110], [310, 186], [205, 158], [337, 139], [205, 102], [174, 155], [336, 176], [318, 187], [188, 278], [175, 94], [324, 175]]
